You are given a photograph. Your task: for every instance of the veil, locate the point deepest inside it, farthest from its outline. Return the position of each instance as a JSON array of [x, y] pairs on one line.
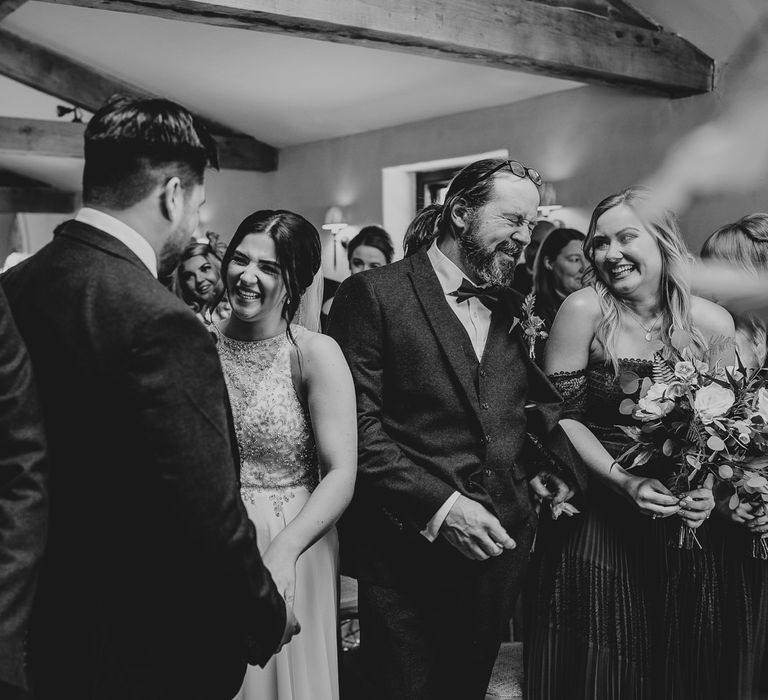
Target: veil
[[311, 304]]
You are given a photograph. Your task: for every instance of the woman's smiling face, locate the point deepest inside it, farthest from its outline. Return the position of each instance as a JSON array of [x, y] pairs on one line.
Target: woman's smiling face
[[254, 278], [626, 253]]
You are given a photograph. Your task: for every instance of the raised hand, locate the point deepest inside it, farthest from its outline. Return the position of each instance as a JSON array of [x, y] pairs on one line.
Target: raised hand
[[550, 487], [651, 497], [696, 505], [475, 531], [282, 565], [292, 626]]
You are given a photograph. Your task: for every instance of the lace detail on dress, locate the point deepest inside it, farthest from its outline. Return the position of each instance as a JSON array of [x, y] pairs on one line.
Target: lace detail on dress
[[572, 386], [274, 434]]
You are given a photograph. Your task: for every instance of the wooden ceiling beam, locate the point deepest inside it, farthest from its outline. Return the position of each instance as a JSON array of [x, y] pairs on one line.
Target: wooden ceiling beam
[[36, 200], [53, 73], [8, 6], [519, 35], [65, 139]]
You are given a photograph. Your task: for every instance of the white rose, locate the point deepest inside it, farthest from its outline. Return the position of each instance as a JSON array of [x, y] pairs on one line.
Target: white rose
[[762, 404], [712, 402], [654, 404], [685, 371]]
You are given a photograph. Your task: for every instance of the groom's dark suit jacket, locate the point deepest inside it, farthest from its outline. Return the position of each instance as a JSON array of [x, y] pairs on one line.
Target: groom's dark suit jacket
[[433, 420], [152, 585], [23, 504]]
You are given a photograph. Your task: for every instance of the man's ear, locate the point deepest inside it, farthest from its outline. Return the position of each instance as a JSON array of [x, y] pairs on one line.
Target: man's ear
[[172, 199], [459, 214]]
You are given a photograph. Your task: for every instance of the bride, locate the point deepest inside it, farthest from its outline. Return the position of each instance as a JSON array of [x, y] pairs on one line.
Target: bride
[[293, 404]]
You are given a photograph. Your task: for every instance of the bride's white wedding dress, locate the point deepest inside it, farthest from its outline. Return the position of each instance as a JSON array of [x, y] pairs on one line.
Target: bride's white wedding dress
[[279, 470]]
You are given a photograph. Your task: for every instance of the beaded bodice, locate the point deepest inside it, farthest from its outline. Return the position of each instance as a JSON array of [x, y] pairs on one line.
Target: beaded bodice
[[274, 434], [593, 396]]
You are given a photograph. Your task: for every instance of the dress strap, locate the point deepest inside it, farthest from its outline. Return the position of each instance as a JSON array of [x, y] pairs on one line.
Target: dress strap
[[572, 386]]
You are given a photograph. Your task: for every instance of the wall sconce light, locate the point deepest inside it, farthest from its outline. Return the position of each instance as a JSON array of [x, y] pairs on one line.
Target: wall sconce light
[[548, 196], [334, 222], [63, 111]]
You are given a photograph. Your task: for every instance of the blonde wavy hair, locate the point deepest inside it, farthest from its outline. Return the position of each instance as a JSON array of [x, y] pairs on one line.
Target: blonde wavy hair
[[674, 289]]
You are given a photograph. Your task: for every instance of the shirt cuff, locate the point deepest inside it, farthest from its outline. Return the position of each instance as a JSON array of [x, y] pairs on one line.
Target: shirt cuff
[[433, 526]]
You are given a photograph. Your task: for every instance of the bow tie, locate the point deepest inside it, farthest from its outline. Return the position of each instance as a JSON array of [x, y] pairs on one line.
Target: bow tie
[[488, 296]]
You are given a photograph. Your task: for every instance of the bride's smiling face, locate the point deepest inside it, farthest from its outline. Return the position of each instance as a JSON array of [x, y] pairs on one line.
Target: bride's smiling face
[[254, 279], [626, 253]]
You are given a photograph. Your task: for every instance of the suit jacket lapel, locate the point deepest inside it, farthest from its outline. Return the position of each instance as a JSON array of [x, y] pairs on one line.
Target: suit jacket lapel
[[451, 336], [543, 407]]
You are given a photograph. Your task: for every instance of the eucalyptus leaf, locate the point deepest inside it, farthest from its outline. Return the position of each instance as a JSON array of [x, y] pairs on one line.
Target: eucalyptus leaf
[[626, 407], [715, 443], [629, 381]]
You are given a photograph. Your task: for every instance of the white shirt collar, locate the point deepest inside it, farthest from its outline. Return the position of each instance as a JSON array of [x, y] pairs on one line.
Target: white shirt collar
[[138, 245], [448, 273]]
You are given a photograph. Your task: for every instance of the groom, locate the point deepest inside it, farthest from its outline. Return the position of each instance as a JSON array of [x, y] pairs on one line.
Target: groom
[[443, 517], [151, 585]]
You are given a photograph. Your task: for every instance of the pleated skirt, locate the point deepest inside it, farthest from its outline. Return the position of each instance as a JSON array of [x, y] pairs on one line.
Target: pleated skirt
[[615, 612]]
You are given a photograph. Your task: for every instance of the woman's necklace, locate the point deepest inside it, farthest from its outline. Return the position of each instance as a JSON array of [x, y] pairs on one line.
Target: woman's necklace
[[648, 330]]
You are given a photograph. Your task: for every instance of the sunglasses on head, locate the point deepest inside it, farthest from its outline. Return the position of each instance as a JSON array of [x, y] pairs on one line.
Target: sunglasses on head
[[518, 170]]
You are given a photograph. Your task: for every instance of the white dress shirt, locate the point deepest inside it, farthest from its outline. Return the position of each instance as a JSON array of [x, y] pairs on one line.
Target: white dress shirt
[[133, 240], [476, 319]]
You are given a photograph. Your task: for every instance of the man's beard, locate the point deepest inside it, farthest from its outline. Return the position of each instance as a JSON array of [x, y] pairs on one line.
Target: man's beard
[[492, 266], [170, 253]]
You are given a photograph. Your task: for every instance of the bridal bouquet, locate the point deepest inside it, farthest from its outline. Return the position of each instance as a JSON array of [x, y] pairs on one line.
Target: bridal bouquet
[[705, 420]]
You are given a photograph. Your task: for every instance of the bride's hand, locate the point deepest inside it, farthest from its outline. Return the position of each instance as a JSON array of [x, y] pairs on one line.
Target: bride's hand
[[651, 497], [696, 505], [282, 565]]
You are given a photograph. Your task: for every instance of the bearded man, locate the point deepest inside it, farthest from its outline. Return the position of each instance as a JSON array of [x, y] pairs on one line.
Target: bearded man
[[443, 517]]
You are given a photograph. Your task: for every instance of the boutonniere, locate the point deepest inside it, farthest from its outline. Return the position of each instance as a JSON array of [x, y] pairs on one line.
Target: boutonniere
[[531, 325]]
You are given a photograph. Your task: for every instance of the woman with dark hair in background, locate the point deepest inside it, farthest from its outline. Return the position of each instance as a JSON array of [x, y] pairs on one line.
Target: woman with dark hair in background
[[198, 282], [293, 404], [558, 271], [370, 248], [743, 244]]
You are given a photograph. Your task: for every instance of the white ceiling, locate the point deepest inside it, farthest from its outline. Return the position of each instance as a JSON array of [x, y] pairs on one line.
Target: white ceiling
[[280, 89], [285, 90]]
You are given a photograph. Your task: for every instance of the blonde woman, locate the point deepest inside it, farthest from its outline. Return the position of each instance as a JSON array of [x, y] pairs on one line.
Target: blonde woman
[[617, 612]]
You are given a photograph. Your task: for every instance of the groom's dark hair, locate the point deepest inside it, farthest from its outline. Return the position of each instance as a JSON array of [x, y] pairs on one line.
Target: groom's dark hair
[[132, 145]]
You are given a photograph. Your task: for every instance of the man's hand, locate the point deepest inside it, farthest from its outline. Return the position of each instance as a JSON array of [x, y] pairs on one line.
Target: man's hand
[[550, 487], [475, 531], [292, 626]]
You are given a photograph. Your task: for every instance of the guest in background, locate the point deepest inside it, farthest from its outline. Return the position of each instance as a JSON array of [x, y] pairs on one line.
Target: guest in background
[[198, 282], [23, 504], [523, 281], [294, 407], [370, 248], [743, 244], [557, 272]]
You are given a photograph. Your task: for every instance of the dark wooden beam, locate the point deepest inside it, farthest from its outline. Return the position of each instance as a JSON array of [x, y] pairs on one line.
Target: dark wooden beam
[[36, 200], [8, 6], [65, 139], [617, 10], [76, 83], [516, 34]]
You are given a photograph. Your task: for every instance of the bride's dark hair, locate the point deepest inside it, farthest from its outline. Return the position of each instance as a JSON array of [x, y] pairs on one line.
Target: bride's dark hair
[[298, 250]]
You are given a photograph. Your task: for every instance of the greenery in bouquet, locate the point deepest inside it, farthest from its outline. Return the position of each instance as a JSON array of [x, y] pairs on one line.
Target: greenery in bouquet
[[704, 419]]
